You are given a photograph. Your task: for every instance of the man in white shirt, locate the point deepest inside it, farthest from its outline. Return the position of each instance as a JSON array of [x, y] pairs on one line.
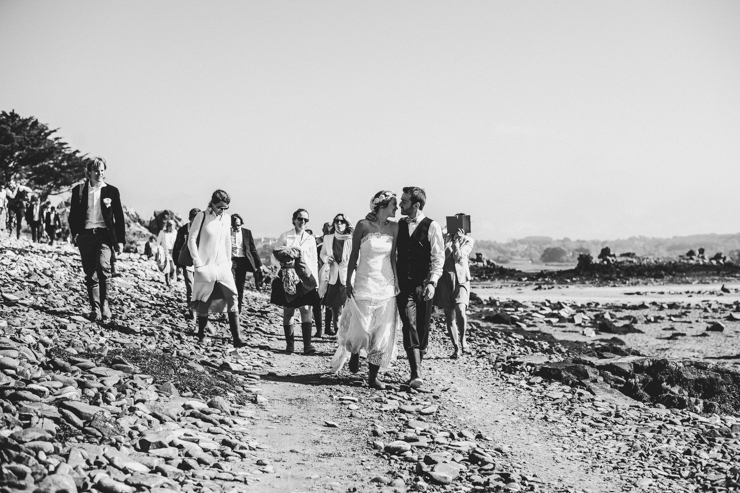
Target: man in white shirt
[[97, 225], [420, 259]]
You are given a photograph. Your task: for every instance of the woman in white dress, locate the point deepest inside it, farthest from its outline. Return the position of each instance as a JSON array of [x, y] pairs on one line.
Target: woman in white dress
[[370, 318], [214, 290], [166, 240]]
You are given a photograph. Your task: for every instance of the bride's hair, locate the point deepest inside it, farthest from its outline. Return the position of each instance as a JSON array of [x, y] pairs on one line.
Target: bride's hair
[[380, 199]]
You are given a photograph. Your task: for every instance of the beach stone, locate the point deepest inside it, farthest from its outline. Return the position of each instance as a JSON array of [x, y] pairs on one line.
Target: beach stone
[[398, 447], [9, 363], [30, 435], [58, 483], [147, 481], [109, 485], [84, 411], [716, 327], [444, 473], [221, 404]]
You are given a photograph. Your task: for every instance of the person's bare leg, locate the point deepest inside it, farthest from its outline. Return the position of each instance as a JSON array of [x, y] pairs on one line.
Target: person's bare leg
[[462, 324], [452, 331]]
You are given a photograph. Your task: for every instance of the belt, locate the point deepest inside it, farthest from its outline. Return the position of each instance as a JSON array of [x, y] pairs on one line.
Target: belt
[[96, 230]]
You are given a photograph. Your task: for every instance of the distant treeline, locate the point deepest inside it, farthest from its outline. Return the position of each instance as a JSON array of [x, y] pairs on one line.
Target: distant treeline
[[534, 247]]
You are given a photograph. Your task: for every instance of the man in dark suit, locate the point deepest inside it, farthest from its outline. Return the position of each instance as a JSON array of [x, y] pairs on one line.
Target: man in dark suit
[[52, 223], [97, 225], [34, 218], [244, 257], [420, 258], [181, 241]]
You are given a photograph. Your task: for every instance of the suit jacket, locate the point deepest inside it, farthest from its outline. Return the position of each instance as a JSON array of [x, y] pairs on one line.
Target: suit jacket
[[113, 215], [250, 251], [180, 241], [29, 214], [52, 220], [462, 266]]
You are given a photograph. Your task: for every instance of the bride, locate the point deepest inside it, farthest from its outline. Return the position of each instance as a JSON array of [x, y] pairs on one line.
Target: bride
[[370, 318]]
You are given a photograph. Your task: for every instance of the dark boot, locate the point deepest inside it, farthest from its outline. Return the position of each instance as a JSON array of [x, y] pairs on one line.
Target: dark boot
[[331, 323], [202, 323], [234, 327], [414, 356], [93, 295], [328, 315], [354, 362], [317, 309], [289, 338], [374, 381], [306, 330]]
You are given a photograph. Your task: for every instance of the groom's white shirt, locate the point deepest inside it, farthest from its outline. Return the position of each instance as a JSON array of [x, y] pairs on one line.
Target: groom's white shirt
[[437, 245]]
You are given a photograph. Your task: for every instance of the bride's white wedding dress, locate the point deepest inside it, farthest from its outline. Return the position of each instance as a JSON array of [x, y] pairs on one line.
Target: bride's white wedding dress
[[370, 318]]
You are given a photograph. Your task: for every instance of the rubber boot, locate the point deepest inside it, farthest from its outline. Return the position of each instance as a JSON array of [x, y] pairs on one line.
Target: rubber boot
[[374, 381], [234, 327], [328, 317], [289, 338], [414, 356], [93, 295], [202, 323], [306, 330], [317, 309], [354, 362]]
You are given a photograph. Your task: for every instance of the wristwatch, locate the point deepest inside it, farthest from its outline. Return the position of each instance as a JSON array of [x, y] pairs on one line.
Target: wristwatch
[[433, 283]]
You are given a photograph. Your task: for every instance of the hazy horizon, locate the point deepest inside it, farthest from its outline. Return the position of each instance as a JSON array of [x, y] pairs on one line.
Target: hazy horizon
[[563, 119]]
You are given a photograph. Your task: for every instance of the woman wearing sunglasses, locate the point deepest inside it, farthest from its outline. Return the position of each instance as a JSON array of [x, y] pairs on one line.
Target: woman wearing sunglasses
[[295, 286], [214, 290], [335, 254]]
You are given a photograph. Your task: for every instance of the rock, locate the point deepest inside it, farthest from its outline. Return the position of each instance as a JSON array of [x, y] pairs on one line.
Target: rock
[[30, 434], [86, 412], [445, 473], [716, 327], [397, 447], [108, 485], [9, 363], [58, 483], [221, 404]]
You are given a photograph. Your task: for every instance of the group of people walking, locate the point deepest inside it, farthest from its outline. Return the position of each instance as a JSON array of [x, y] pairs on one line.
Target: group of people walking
[[19, 202], [377, 278]]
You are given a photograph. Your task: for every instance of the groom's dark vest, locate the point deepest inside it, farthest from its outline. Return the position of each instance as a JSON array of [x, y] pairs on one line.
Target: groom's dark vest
[[414, 258]]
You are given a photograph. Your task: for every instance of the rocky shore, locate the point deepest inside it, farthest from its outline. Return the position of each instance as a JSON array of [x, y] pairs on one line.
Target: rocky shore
[[138, 406]]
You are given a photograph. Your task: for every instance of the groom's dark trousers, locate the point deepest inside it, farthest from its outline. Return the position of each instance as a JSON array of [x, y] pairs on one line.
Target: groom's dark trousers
[[413, 266], [416, 315]]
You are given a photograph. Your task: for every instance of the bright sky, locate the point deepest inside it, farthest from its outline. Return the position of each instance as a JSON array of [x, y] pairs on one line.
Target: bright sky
[[591, 120]]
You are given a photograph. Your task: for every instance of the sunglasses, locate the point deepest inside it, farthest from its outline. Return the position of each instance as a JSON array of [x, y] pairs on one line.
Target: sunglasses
[[340, 221], [302, 219]]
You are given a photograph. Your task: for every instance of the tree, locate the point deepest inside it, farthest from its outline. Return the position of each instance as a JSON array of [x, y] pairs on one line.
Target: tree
[[554, 254], [29, 151]]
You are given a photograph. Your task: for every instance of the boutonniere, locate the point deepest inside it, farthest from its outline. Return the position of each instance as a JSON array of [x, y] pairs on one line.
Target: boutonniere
[[107, 201]]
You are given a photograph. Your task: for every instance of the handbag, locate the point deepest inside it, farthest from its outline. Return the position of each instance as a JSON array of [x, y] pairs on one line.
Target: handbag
[[184, 258]]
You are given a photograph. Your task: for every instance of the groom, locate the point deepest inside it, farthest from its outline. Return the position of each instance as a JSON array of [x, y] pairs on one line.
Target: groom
[[98, 226], [420, 258]]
